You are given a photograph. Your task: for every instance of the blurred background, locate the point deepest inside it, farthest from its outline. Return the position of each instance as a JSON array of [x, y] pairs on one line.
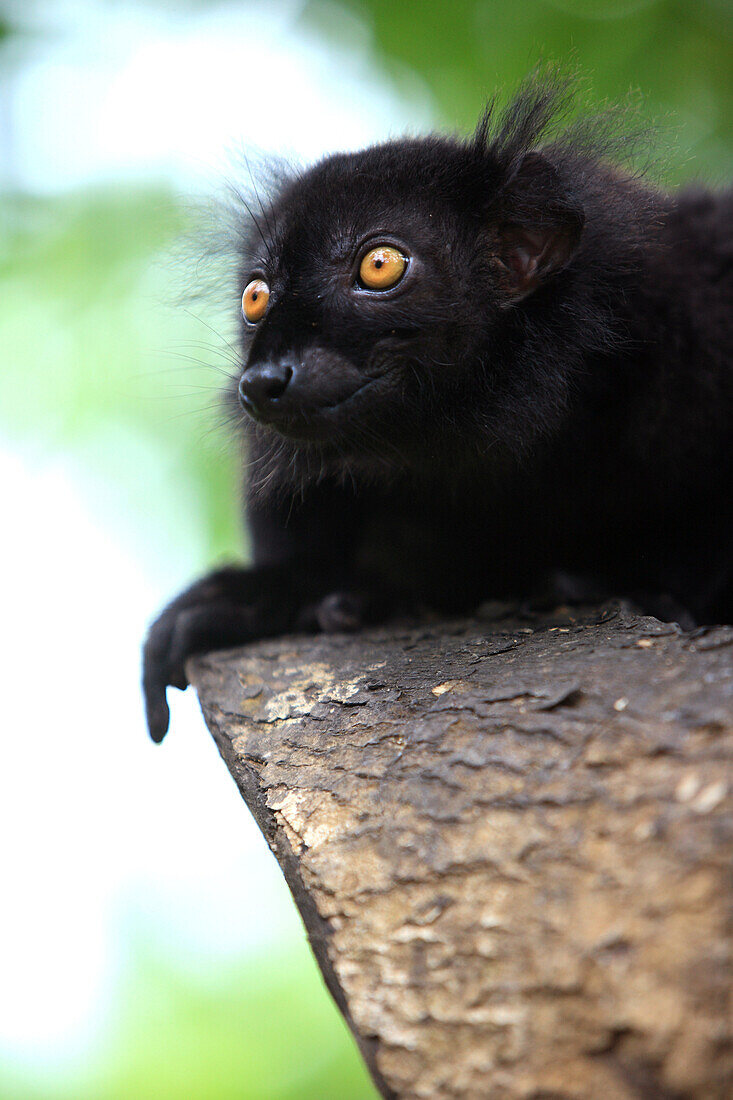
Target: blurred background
[[148, 946]]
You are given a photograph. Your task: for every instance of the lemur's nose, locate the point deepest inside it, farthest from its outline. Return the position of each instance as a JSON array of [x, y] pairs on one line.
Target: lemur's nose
[[262, 385]]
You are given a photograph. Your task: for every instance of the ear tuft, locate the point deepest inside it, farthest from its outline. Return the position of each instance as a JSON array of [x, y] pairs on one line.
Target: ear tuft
[[539, 231]]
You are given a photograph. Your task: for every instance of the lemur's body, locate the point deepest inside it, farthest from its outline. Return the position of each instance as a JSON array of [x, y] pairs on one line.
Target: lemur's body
[[545, 385]]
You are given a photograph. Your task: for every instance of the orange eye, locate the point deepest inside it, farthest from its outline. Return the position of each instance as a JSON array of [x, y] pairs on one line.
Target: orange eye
[[382, 267], [254, 300]]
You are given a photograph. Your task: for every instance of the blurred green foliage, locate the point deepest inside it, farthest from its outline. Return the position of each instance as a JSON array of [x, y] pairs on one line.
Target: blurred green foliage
[[263, 1029], [105, 363], [678, 54]]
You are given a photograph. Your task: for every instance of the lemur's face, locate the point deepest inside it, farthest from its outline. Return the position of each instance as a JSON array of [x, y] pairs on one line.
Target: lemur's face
[[352, 300], [373, 292]]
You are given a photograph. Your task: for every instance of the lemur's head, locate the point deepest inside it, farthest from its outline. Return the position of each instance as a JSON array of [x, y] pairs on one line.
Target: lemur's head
[[393, 299]]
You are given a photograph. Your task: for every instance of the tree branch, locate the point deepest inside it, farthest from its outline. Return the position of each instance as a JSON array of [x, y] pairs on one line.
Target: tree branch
[[510, 841]]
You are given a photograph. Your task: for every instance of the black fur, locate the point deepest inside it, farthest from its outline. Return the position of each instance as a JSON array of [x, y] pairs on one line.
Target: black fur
[[549, 390]]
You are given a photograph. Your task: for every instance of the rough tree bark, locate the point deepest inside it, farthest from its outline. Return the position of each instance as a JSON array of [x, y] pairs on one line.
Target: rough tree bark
[[510, 841]]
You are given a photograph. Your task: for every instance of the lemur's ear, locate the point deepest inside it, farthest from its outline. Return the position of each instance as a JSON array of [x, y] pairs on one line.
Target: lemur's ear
[[539, 231]]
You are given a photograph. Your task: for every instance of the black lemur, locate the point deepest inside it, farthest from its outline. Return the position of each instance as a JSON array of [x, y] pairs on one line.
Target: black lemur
[[467, 366]]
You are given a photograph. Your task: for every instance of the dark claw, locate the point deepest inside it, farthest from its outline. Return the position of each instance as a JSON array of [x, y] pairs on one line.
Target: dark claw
[[229, 608], [155, 679], [211, 626], [220, 611], [154, 684], [340, 612], [161, 665], [158, 715]]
